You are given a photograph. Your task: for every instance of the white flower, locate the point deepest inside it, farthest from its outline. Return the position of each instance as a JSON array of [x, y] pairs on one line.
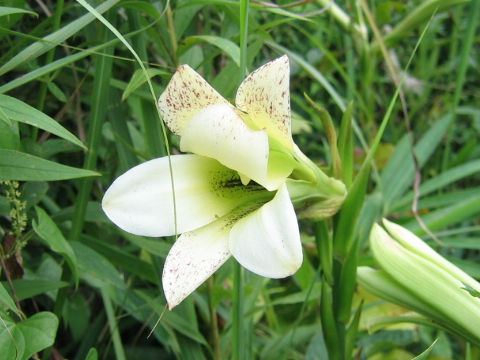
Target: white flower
[[220, 211]]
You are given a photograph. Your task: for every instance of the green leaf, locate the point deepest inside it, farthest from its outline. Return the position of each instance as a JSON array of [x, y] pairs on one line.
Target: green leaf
[[19, 111], [76, 314], [10, 137], [4, 117], [15, 165], [26, 289], [92, 354], [5, 10], [424, 354], [144, 7], [316, 348], [39, 331], [50, 41], [442, 180], [443, 217], [471, 291], [12, 341], [348, 216], [227, 46], [48, 231], [345, 145], [153, 246], [56, 91], [415, 18], [399, 173], [95, 269], [122, 259], [51, 67], [139, 78], [6, 300]]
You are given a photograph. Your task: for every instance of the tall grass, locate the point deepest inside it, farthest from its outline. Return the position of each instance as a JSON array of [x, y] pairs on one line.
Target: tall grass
[[74, 284]]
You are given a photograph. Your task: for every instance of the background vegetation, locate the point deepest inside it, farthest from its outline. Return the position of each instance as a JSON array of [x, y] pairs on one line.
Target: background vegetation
[[75, 113]]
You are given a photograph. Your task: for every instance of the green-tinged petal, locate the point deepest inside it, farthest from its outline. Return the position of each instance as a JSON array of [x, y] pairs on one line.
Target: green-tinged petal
[[267, 241], [140, 201], [265, 96], [428, 282], [280, 165], [380, 284], [186, 93], [317, 201], [418, 246], [217, 131], [194, 257]]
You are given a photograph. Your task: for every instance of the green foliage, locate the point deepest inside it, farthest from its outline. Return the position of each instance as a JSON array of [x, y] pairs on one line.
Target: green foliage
[[77, 108]]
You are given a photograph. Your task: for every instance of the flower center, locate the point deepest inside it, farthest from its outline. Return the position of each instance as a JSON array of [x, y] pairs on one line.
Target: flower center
[[226, 183]]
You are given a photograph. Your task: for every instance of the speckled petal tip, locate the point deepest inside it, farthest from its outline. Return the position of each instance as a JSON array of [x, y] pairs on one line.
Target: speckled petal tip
[[193, 258], [186, 94], [265, 96]]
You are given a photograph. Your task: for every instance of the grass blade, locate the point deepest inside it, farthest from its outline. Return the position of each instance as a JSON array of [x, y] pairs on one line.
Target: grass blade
[[48, 42]]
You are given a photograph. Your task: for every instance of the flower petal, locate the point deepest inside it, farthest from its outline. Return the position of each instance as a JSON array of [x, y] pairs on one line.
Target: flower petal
[[416, 245], [217, 131], [267, 241], [140, 201], [186, 93], [193, 258], [265, 96]]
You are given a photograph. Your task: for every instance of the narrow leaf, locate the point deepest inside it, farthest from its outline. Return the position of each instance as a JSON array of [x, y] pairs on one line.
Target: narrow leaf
[[5, 10], [19, 111], [424, 354], [15, 165], [139, 78], [92, 354], [48, 42], [227, 46]]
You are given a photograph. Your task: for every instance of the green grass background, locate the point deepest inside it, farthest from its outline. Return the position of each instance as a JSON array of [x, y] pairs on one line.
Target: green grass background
[[76, 112]]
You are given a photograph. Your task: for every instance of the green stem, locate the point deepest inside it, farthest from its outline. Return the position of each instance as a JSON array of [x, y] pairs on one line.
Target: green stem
[[343, 19], [237, 316], [243, 38], [238, 339], [171, 33], [112, 324], [329, 326], [215, 336]]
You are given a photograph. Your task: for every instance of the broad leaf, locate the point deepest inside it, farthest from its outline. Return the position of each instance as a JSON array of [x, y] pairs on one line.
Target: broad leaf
[[39, 331], [46, 228], [6, 300], [20, 341]]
